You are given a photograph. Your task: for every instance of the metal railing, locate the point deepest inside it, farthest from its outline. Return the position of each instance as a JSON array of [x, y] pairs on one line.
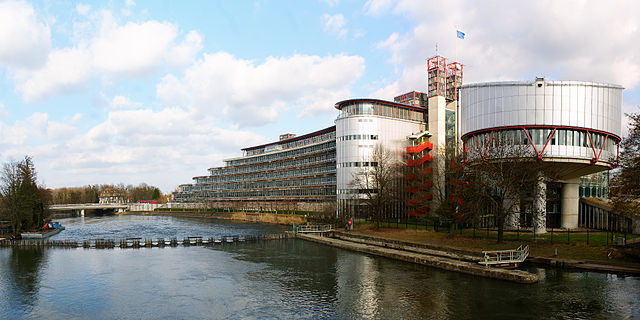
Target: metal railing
[[505, 257], [314, 228]]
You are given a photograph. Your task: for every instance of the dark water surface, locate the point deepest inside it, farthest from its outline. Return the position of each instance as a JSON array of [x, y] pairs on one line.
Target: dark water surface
[[285, 279]]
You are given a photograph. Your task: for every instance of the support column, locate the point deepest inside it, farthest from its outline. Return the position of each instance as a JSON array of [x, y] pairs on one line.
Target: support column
[[513, 203], [569, 200], [82, 212], [540, 204]]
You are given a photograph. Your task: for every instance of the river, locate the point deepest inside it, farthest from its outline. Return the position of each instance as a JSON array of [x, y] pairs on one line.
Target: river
[[280, 279]]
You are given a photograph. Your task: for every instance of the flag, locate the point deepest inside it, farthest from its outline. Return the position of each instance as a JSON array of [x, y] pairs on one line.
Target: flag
[[460, 34]]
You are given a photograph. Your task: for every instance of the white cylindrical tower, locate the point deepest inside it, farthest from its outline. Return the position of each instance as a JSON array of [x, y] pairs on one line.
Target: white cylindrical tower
[[573, 126], [362, 125]]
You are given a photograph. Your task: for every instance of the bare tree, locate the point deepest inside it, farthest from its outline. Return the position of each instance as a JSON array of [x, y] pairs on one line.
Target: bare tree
[[380, 183], [625, 191], [498, 174]]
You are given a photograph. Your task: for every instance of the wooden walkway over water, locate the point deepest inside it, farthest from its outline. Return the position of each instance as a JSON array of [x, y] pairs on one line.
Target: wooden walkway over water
[[142, 243]]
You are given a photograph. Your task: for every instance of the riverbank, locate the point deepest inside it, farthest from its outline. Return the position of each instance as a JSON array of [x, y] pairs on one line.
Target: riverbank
[[429, 257], [570, 256], [252, 217]]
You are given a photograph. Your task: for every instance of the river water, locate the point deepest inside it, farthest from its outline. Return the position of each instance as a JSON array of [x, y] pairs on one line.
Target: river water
[[281, 279]]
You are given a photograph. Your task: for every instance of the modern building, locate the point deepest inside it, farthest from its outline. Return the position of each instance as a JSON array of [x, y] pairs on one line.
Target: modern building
[[295, 173], [318, 169], [573, 126], [362, 126]]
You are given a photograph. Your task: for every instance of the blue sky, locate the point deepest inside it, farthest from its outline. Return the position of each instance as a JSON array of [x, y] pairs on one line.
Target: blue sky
[[159, 91]]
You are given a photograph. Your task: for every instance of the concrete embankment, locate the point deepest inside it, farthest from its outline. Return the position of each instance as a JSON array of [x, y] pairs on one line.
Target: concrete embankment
[[256, 217], [585, 265], [427, 258]]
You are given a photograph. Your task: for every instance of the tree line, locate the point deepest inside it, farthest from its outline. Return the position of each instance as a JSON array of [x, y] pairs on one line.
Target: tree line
[[91, 193], [24, 202]]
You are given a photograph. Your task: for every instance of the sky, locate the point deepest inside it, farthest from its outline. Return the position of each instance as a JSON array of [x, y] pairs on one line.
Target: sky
[[158, 91]]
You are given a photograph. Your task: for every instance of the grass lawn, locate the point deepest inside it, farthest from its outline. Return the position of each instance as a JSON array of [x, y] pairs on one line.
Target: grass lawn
[[573, 248]]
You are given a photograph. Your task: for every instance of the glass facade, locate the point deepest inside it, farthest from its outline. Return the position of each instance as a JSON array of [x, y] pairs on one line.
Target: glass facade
[[595, 185], [580, 143], [379, 108]]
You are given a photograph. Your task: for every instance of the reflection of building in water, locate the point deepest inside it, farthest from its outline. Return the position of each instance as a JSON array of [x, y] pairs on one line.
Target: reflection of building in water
[[356, 283]]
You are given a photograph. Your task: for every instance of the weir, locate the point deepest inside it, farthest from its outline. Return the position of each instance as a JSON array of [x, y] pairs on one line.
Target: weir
[[142, 243]]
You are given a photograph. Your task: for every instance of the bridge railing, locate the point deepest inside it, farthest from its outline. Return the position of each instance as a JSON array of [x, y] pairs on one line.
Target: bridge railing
[[88, 205]]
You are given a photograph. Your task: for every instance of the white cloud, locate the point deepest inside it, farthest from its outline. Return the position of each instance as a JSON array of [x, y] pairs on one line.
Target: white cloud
[[133, 49], [24, 39], [334, 24], [331, 3], [127, 146], [83, 9], [108, 50], [141, 49], [377, 7], [76, 117], [37, 126], [66, 70], [122, 102], [560, 40], [3, 111], [184, 53], [253, 94]]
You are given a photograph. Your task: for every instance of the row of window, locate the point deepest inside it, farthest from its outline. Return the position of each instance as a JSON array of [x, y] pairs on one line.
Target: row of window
[[327, 146], [231, 195], [357, 191], [326, 180], [307, 161], [540, 136], [378, 109], [357, 137], [293, 144], [357, 164], [279, 174]]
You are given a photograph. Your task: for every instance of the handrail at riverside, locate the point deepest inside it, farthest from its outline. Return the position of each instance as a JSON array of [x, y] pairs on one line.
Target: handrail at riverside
[[313, 228], [505, 257]]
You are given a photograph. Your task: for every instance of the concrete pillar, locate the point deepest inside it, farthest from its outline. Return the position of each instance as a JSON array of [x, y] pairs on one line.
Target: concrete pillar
[[513, 219], [569, 200], [82, 213], [540, 204]]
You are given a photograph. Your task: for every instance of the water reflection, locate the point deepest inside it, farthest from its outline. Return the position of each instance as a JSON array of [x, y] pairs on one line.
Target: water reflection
[[21, 279], [282, 279]]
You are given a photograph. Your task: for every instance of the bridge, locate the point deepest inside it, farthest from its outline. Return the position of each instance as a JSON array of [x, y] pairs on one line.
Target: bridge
[[79, 208]]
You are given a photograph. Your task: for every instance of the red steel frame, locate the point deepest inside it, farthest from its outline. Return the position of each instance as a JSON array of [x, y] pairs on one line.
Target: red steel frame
[[540, 155]]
